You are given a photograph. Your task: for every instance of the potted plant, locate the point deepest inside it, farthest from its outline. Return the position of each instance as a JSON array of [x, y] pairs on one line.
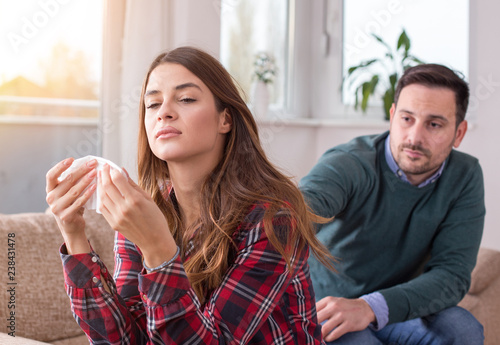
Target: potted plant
[[263, 74], [394, 63]]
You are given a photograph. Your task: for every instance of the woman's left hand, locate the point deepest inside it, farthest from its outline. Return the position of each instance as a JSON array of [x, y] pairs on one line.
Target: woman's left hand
[[132, 212]]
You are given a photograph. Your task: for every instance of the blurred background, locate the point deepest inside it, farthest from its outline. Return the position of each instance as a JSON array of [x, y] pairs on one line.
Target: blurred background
[[71, 72]]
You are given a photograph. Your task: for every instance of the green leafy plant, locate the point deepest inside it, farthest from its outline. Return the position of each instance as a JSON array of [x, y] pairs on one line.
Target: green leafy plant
[[394, 63]]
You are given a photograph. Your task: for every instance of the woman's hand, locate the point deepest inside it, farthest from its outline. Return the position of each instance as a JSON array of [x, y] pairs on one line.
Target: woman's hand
[[132, 212], [66, 199]]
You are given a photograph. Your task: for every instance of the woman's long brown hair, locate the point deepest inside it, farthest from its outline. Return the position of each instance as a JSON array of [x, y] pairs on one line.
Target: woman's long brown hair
[[244, 177]]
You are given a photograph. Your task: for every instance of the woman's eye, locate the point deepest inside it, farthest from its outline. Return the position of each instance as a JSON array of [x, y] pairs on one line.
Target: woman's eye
[[187, 100], [152, 106]]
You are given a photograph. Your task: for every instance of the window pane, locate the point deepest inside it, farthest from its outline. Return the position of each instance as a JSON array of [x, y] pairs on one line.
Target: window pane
[[438, 32], [249, 27], [51, 57]]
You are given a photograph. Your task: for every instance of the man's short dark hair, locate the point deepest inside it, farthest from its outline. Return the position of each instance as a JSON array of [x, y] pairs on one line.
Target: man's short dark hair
[[439, 76]]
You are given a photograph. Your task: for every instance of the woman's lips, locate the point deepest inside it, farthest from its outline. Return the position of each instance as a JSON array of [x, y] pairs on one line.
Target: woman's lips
[[167, 132]]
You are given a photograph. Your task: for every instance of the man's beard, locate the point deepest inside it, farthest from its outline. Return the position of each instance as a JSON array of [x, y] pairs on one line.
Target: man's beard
[[415, 169]]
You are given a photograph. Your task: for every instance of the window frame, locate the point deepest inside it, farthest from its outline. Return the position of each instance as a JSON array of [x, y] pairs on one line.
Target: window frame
[[318, 52], [325, 40], [59, 120]]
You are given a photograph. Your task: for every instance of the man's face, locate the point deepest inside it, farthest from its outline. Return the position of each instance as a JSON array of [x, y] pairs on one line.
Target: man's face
[[423, 130]]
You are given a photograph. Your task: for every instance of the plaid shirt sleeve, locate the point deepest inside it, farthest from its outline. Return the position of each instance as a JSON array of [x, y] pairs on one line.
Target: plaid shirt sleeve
[[260, 301], [105, 317]]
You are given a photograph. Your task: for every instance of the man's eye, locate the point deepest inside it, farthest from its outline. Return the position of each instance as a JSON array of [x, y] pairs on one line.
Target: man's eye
[[435, 125]]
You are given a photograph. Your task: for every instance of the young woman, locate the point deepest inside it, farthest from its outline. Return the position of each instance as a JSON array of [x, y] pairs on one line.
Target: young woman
[[211, 247]]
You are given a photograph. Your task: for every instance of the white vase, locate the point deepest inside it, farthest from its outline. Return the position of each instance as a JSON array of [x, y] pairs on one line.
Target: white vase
[[260, 100]]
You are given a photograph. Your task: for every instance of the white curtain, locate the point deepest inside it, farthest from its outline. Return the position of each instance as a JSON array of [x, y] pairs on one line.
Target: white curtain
[[136, 32], [143, 27]]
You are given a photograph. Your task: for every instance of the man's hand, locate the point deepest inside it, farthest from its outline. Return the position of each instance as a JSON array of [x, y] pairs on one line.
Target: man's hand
[[342, 315]]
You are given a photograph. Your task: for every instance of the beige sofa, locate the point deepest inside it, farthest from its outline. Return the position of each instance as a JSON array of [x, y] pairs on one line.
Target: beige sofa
[[42, 310], [483, 299]]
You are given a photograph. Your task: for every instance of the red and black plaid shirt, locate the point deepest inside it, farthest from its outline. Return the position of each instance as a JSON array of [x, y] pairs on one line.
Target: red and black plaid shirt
[[258, 302]]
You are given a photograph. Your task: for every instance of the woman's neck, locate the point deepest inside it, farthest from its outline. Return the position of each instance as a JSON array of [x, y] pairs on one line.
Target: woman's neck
[[187, 182]]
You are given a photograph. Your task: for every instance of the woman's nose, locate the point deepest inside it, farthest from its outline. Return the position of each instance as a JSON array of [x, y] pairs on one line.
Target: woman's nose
[[165, 111]]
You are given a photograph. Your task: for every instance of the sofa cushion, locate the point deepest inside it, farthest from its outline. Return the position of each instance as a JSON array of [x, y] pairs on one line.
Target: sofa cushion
[[486, 270], [38, 299]]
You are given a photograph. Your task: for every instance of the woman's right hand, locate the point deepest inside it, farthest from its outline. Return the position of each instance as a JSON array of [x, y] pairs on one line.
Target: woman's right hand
[[66, 200]]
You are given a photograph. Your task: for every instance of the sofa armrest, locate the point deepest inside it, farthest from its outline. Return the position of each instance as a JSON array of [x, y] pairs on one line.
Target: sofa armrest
[[17, 340], [486, 270]]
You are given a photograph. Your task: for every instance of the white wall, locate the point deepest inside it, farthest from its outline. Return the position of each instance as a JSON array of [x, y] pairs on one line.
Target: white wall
[[296, 147], [485, 93], [195, 23]]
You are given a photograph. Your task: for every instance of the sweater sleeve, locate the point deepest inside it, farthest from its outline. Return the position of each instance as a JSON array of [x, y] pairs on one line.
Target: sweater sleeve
[[333, 181], [446, 276]]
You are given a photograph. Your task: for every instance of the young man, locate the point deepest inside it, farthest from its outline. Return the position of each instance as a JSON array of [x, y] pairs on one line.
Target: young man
[[409, 214]]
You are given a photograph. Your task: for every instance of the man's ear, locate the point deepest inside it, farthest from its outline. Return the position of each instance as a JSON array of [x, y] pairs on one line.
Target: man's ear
[[392, 110], [460, 133], [226, 122]]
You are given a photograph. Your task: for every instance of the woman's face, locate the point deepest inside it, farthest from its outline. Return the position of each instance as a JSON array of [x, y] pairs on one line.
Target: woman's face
[[181, 119]]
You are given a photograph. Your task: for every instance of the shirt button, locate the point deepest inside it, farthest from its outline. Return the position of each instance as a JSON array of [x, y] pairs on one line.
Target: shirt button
[[94, 259], [103, 270], [144, 297], [95, 280]]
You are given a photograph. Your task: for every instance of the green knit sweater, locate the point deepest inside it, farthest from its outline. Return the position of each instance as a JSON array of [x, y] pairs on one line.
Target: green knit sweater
[[416, 246]]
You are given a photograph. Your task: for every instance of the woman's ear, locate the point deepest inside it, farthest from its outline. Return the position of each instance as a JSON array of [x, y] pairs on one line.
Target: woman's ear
[[226, 121]]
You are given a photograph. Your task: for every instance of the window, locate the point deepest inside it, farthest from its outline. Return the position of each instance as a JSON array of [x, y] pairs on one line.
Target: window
[[249, 27], [437, 31], [325, 37], [51, 58], [50, 81]]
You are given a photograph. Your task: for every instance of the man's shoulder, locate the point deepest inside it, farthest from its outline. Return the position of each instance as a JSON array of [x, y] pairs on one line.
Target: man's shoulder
[[462, 168], [459, 162], [362, 146], [459, 157]]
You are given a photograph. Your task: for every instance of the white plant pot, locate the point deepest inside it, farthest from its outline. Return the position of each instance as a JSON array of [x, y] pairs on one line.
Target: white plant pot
[[260, 100]]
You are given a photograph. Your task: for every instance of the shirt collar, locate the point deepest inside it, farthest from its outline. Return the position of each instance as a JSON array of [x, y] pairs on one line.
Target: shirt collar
[[400, 174]]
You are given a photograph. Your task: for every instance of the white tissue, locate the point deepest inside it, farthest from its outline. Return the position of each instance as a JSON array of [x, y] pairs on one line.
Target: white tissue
[[94, 203]]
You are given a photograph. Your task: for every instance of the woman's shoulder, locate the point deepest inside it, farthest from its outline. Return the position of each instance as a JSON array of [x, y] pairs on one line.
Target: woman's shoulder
[[253, 223], [256, 213]]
